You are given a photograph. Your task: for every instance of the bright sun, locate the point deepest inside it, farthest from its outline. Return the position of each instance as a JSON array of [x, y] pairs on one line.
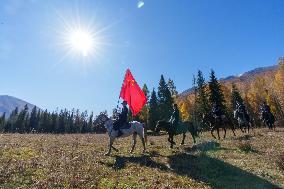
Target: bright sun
[[81, 41]]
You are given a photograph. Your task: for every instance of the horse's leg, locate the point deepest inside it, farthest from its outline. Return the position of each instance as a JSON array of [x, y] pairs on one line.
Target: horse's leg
[[274, 127], [241, 127], [218, 133], [224, 132], [193, 137], [114, 148], [212, 130], [233, 129], [172, 140], [248, 125], [143, 139], [169, 139], [183, 138], [110, 145], [134, 137]]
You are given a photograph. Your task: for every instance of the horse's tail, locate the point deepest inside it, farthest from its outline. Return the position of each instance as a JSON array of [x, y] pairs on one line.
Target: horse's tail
[[144, 132]]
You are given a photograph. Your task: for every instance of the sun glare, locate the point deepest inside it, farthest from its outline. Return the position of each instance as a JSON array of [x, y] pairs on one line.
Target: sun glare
[[81, 41]]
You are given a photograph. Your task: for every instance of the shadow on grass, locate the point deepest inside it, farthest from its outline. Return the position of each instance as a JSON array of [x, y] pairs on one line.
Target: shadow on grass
[[202, 168], [216, 173], [206, 146], [244, 137], [144, 160]]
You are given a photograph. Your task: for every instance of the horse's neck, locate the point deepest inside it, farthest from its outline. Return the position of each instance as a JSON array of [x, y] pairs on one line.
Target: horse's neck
[[165, 124], [109, 125]]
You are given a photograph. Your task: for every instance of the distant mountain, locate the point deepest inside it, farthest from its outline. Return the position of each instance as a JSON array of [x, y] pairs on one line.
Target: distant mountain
[[9, 103], [245, 77]]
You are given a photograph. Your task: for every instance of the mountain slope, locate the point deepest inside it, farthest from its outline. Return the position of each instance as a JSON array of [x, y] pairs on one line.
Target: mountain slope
[[9, 103], [245, 77]]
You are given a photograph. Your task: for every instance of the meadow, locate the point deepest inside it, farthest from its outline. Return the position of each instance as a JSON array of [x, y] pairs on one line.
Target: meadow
[[254, 160]]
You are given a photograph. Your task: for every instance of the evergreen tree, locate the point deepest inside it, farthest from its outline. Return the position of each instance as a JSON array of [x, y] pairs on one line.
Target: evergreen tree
[[21, 120], [146, 92], [2, 122], [71, 121], [61, 122], [202, 96], [12, 127], [54, 122], [44, 122], [90, 122], [33, 119], [165, 100], [143, 114], [172, 88], [77, 124], [84, 124], [216, 95], [153, 116]]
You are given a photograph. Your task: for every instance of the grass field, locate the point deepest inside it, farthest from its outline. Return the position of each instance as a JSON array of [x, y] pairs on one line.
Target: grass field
[[77, 161]]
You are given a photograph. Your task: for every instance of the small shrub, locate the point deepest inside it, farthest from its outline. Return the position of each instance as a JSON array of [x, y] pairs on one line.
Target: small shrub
[[245, 146]]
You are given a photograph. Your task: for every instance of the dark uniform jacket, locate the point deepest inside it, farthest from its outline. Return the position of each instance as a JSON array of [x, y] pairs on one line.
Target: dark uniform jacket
[[175, 117], [122, 118], [123, 115]]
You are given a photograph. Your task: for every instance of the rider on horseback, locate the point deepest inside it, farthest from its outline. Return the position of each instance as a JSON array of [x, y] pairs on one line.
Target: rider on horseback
[[217, 112], [175, 117], [122, 118], [266, 112], [242, 109]]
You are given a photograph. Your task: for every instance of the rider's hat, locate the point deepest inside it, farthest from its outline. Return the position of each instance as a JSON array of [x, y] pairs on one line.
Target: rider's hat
[[124, 103]]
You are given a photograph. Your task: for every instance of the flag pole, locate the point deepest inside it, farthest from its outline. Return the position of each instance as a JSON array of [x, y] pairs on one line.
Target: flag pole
[[121, 88]]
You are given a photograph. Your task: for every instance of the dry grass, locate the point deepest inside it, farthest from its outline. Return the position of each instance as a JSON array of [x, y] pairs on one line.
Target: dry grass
[[280, 161], [77, 161]]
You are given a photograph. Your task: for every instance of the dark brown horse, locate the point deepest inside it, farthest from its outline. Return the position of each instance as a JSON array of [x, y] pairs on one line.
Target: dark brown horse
[[268, 119], [215, 123], [182, 128]]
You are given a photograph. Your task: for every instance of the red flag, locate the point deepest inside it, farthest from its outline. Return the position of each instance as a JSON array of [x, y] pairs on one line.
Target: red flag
[[132, 94]]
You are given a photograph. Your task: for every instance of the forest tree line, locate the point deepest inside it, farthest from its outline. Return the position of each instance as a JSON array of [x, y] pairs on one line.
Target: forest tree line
[[268, 88], [38, 121]]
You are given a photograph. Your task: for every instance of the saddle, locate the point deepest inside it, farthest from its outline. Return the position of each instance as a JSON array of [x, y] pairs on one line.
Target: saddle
[[125, 126]]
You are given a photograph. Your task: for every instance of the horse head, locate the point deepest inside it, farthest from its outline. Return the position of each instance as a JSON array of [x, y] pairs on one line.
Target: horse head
[[102, 119]]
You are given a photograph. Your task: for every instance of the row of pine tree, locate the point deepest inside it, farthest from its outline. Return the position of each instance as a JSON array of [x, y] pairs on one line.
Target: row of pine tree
[[38, 121]]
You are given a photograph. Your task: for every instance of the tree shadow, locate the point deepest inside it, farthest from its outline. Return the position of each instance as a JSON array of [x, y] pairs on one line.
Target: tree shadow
[[216, 173], [244, 137], [206, 146], [202, 168]]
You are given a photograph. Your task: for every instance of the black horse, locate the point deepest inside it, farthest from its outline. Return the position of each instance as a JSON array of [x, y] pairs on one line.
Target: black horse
[[215, 123], [243, 119], [182, 128], [268, 119]]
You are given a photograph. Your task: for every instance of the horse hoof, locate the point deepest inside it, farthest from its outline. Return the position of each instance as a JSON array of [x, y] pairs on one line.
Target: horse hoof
[[107, 154], [182, 144]]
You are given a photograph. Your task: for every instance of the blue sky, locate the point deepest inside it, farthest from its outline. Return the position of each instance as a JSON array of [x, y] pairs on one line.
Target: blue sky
[[174, 38]]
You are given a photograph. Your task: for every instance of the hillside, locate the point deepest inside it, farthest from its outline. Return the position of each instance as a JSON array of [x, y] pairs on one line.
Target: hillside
[[9, 103], [245, 77]]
